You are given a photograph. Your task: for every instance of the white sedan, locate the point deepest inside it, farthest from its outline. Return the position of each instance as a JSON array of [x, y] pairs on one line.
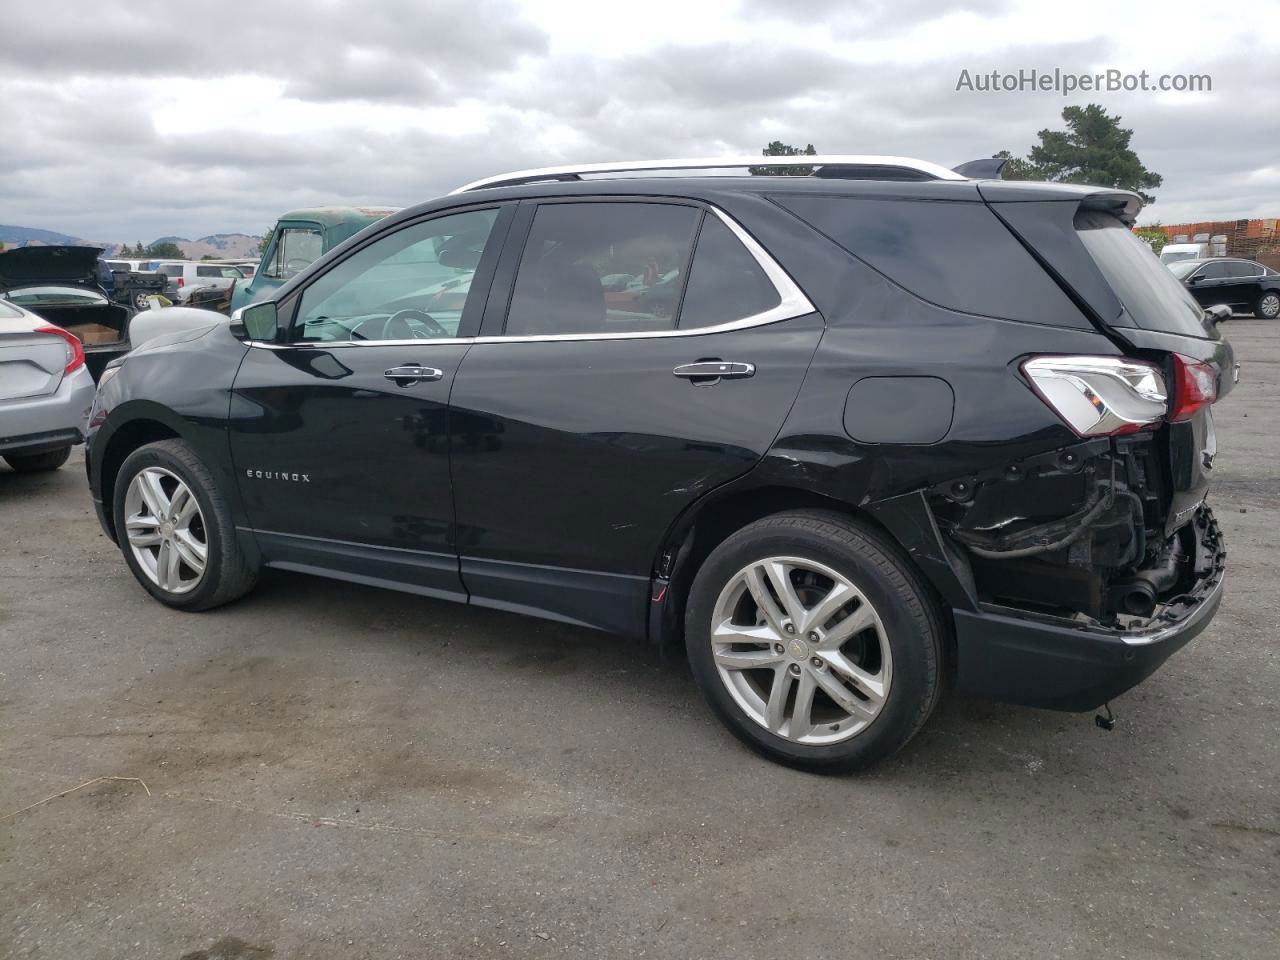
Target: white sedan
[[45, 391]]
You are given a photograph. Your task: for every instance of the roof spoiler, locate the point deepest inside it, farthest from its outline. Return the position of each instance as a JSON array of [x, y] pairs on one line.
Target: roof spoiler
[[988, 168]]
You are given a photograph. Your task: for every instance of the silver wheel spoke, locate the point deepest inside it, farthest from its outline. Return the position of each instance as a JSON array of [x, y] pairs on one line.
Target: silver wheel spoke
[[780, 577], [153, 494], [843, 697], [755, 580], [142, 531], [802, 712], [182, 506], [868, 683], [776, 708], [191, 550], [826, 608], [860, 619]]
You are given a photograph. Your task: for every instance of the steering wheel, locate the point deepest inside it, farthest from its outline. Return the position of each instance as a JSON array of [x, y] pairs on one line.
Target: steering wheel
[[397, 326]]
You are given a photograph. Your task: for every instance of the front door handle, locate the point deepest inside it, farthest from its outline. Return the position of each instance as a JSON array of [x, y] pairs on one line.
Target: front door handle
[[713, 371], [410, 373]]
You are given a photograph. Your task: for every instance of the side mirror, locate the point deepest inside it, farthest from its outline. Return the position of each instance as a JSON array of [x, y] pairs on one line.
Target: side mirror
[[258, 321], [1218, 312], [1196, 279]]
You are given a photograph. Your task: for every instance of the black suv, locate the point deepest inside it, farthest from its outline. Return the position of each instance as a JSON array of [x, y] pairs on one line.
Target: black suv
[[1240, 284], [848, 437]]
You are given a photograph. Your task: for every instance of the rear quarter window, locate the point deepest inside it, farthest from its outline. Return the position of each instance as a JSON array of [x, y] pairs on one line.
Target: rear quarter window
[[1153, 298], [954, 254]]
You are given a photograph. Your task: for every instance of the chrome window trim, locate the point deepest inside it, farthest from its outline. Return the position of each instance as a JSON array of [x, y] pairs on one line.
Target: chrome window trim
[[792, 303], [935, 170]]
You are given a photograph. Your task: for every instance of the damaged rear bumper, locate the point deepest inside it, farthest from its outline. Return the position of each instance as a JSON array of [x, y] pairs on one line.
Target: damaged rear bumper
[[1050, 662]]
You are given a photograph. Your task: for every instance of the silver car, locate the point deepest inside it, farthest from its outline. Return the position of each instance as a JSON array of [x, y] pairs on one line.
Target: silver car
[[45, 391]]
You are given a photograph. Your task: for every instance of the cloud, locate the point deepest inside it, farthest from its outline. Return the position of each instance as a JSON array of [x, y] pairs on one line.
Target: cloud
[[115, 132]]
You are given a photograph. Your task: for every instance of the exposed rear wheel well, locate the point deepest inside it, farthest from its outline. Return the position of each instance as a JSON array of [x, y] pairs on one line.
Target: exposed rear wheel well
[[128, 438], [718, 520]]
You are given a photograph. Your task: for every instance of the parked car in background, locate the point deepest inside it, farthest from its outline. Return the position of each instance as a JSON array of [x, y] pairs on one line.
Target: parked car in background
[[1240, 284], [1176, 252], [61, 284], [299, 239], [127, 285], [45, 390], [187, 276], [728, 413]]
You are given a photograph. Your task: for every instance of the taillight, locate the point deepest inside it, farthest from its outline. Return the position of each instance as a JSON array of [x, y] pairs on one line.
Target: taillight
[[182, 281], [1195, 387], [75, 349], [1100, 396]]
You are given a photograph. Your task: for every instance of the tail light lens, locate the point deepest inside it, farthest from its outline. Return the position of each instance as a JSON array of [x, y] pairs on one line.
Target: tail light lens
[[75, 349], [182, 281], [1100, 396], [1196, 386]]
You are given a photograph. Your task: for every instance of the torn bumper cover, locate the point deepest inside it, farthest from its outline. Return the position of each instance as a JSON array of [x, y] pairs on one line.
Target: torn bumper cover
[[1044, 661]]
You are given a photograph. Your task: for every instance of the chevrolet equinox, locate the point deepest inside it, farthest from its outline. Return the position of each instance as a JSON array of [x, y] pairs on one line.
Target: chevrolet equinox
[[847, 436]]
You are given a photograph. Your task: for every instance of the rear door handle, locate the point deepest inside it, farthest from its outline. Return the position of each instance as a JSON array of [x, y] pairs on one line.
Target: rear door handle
[[410, 373], [712, 371]]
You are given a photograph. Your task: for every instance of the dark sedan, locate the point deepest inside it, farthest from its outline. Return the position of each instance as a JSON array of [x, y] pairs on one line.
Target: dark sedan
[[1240, 284]]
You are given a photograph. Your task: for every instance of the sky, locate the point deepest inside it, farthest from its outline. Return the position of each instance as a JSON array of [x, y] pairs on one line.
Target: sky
[[125, 122]]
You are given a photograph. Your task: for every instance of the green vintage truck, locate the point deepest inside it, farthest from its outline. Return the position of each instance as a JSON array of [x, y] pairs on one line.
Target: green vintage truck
[[301, 237]]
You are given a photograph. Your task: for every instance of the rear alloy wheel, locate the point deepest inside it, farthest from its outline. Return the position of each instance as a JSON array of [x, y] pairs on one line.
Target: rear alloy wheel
[[801, 650], [166, 530], [815, 640], [1268, 305]]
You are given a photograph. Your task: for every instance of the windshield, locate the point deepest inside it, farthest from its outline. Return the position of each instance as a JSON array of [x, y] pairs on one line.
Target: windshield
[[1183, 268], [1152, 296]]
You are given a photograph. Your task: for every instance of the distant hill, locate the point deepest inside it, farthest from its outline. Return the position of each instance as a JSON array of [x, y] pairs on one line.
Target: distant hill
[[12, 236], [224, 246]]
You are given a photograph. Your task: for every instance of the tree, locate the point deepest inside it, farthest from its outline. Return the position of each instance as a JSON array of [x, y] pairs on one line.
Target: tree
[[777, 148], [1093, 149], [165, 250], [1154, 236], [263, 241]]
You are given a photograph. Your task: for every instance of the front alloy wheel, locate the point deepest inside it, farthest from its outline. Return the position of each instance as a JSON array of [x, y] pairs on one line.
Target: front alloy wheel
[[166, 530], [801, 650]]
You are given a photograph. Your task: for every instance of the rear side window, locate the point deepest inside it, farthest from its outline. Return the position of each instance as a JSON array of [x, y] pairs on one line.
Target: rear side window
[[208, 272], [955, 254], [725, 281], [1242, 268], [1151, 295], [170, 269], [603, 267]]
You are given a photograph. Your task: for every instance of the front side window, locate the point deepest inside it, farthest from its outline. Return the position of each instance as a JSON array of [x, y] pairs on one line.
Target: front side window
[[604, 267], [409, 285], [1213, 271], [296, 248]]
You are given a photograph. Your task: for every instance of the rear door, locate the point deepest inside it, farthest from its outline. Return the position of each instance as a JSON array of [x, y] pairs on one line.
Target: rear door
[[1243, 283], [339, 435], [649, 353]]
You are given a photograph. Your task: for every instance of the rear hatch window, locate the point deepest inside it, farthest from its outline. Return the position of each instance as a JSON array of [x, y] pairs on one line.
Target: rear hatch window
[[1152, 296]]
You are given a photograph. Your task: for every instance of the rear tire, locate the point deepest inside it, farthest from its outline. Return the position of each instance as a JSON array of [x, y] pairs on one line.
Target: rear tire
[[38, 462], [887, 669], [156, 520], [1268, 305]]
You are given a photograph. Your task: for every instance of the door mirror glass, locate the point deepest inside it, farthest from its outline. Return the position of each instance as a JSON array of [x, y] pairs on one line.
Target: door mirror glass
[[259, 321]]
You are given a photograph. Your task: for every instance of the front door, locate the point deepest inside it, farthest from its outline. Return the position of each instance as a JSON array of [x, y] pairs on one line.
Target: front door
[[339, 435], [615, 396]]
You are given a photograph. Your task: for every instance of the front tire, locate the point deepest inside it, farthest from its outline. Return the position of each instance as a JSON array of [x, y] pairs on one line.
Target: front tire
[[175, 529], [815, 641], [1268, 305], [38, 462]]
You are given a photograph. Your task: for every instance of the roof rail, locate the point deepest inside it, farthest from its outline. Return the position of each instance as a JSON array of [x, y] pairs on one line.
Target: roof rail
[[932, 171]]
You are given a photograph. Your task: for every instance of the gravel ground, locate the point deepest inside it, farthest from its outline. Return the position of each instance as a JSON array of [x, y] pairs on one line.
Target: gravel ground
[[334, 771]]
